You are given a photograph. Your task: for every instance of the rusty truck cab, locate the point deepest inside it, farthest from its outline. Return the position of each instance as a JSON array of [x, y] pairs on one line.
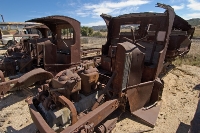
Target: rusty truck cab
[[151, 38], [65, 42]]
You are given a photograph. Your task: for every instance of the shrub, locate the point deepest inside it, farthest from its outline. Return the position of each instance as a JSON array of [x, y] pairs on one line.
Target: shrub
[[97, 34], [86, 31]]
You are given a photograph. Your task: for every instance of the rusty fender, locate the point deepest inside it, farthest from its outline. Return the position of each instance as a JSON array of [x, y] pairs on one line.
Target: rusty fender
[[92, 118], [26, 80], [40, 123]]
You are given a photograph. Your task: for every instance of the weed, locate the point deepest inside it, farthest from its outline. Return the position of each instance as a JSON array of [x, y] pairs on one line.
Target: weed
[[193, 60]]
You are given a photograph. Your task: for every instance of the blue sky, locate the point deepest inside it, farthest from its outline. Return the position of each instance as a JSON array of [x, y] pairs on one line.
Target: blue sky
[[88, 11]]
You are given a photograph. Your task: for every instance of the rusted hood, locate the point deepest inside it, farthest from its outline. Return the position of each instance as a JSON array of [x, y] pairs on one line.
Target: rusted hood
[[55, 20], [39, 26]]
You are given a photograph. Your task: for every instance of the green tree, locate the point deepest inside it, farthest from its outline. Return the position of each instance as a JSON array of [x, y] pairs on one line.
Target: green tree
[[86, 31], [64, 31], [90, 31]]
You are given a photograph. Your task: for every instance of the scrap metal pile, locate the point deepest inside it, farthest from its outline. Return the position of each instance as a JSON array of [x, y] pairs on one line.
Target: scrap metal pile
[[78, 95]]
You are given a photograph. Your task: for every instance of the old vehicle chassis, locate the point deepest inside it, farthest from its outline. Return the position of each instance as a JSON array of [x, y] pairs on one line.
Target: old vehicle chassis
[[81, 97]]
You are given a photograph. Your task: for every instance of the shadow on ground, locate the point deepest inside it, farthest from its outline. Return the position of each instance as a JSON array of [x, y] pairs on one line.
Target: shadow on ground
[[28, 129], [18, 96], [197, 87], [166, 70], [183, 128]]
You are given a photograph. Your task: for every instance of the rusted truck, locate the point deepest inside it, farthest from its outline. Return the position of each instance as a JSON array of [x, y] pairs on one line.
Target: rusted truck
[[78, 95], [81, 98], [52, 53], [41, 53]]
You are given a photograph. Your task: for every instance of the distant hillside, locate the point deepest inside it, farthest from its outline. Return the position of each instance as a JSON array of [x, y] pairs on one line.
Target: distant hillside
[[104, 27], [98, 28], [194, 21]]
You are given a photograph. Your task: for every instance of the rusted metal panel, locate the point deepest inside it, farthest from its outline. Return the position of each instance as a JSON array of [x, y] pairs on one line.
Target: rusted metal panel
[[171, 16], [128, 66], [89, 78], [177, 44], [106, 63], [95, 116], [50, 52], [36, 74], [106, 18], [36, 26], [136, 68], [25, 81], [160, 62], [26, 35], [70, 105], [2, 77], [150, 115], [140, 95], [37, 118], [148, 73], [157, 91]]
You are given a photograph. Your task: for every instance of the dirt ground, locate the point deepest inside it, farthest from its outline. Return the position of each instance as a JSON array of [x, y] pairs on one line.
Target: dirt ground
[[179, 101]]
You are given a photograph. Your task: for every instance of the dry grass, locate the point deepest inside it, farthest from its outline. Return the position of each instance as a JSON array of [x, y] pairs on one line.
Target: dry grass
[[188, 60], [197, 32], [104, 34], [192, 58], [92, 42]]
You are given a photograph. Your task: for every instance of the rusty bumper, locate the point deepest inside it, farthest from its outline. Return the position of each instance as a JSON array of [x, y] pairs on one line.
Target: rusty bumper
[[92, 118]]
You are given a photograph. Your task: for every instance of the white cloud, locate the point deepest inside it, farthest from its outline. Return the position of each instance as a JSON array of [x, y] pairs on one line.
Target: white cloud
[[191, 15], [194, 5], [178, 7], [82, 14], [72, 3], [97, 23], [176, 1], [109, 7]]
